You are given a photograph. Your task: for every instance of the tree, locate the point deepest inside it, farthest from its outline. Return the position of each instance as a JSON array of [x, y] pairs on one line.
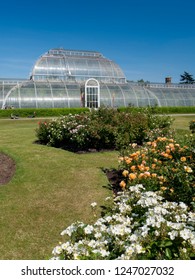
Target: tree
[[142, 82], [187, 78]]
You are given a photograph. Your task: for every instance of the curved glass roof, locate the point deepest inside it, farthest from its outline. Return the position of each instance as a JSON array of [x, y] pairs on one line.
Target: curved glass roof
[[69, 78], [71, 65]]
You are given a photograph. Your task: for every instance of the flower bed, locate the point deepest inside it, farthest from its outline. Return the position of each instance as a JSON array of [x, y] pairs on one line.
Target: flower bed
[[101, 129], [141, 225], [152, 217], [152, 212], [163, 165]]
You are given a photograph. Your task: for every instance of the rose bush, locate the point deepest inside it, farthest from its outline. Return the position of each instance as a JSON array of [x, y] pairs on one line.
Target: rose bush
[[153, 216], [163, 165], [140, 225], [100, 129], [192, 126]]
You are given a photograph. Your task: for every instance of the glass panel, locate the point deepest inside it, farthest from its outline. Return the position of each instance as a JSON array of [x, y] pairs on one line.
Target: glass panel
[[13, 99], [44, 95], [27, 96]]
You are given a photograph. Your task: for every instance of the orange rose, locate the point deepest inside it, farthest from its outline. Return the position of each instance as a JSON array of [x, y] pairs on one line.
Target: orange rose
[[147, 174], [168, 151], [133, 167], [141, 175], [141, 167], [122, 184], [146, 168], [125, 173], [128, 160], [132, 176]]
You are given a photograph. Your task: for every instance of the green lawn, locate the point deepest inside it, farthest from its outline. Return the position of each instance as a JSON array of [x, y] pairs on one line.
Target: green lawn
[[51, 189], [182, 122]]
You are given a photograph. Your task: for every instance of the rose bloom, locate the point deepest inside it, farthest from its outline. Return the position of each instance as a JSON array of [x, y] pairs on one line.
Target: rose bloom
[[134, 145], [164, 154], [132, 176], [183, 159], [168, 151], [122, 184], [133, 155], [128, 161], [141, 175], [146, 168], [147, 174], [133, 167], [161, 178], [154, 144], [177, 145], [171, 145], [188, 169], [141, 167], [125, 173], [121, 159]]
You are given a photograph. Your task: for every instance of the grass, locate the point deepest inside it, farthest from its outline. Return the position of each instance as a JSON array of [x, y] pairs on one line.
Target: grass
[[181, 126], [182, 122], [51, 189]]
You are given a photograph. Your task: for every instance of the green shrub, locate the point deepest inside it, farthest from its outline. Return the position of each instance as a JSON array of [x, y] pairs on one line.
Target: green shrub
[[25, 113], [140, 226], [99, 129], [192, 126], [161, 165], [161, 110]]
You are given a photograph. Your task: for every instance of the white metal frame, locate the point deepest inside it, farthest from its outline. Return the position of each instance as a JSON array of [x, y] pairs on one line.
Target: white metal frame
[[92, 84]]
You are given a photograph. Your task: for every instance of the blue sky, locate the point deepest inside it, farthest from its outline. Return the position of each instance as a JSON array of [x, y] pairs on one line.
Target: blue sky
[[148, 39]]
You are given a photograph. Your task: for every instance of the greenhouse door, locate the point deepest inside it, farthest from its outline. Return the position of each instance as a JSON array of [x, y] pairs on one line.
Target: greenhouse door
[[92, 93]]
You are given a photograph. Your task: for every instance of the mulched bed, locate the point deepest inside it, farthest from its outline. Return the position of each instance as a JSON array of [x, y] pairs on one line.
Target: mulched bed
[[7, 168]]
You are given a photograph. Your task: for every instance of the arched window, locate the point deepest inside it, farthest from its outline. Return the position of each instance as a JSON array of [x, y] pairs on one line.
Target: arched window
[[92, 93]]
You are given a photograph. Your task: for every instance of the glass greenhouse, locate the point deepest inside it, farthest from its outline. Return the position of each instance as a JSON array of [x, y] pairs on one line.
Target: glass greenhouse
[[68, 78]]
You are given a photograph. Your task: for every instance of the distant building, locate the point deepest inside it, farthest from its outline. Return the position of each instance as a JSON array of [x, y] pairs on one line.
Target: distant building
[[69, 78]]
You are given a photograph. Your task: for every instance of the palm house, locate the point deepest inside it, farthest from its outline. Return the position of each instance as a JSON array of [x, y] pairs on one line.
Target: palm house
[[69, 78]]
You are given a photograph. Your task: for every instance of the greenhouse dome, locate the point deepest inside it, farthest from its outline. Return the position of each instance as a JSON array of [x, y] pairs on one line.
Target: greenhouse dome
[[69, 78]]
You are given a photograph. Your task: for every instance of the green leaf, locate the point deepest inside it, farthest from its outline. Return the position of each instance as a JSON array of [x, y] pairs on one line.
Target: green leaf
[[165, 243], [168, 253]]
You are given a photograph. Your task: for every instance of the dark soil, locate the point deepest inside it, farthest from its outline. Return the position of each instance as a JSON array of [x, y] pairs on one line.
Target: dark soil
[[114, 177], [7, 168]]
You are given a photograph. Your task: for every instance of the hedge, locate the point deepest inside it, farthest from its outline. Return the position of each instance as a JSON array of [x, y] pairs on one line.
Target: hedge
[[26, 112], [162, 110]]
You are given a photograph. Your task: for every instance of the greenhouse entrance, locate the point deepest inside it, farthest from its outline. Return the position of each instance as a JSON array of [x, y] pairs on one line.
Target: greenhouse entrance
[[92, 93]]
